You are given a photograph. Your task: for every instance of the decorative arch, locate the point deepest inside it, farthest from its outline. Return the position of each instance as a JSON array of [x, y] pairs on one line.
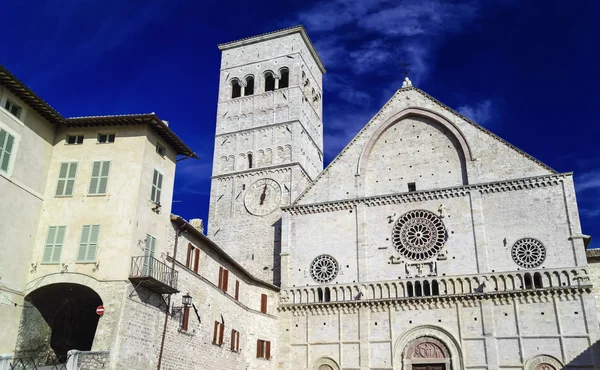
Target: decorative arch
[[427, 344], [543, 362], [325, 363], [413, 112]]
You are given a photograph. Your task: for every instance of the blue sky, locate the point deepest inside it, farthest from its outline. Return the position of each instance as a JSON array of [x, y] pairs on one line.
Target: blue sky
[[526, 70]]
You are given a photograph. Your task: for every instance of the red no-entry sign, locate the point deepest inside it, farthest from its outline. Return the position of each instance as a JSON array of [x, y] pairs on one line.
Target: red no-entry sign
[[100, 310]]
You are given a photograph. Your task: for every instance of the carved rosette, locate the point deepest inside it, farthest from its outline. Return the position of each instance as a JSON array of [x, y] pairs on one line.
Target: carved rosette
[[419, 235]]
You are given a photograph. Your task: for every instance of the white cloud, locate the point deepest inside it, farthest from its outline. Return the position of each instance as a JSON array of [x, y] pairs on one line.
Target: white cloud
[[481, 113], [588, 181]]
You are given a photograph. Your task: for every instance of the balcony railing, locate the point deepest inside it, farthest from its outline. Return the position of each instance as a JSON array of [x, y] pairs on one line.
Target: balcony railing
[[153, 274]]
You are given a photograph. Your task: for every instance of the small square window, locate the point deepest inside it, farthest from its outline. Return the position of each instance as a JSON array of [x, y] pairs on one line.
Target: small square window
[[412, 186], [13, 108], [106, 138], [161, 150], [74, 139]]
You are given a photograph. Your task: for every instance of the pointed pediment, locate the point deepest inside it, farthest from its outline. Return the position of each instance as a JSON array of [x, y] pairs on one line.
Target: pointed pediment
[[416, 142]]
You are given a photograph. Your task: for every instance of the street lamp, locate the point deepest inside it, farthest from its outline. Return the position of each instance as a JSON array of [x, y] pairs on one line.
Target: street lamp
[[187, 300]]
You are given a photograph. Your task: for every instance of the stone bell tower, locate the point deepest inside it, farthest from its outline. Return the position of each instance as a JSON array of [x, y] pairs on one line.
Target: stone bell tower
[[268, 143]]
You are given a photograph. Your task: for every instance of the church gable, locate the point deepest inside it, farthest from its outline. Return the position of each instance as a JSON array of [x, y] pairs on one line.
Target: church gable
[[416, 143]]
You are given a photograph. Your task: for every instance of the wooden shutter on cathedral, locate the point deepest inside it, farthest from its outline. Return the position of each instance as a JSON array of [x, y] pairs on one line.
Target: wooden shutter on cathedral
[[263, 303], [220, 277], [215, 332], [196, 259], [237, 342], [221, 332], [186, 318], [268, 351], [237, 290], [259, 348], [225, 279], [232, 339], [189, 254]]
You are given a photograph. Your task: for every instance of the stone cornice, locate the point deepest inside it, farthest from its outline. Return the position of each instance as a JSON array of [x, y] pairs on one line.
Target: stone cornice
[[425, 195], [431, 302], [262, 171]]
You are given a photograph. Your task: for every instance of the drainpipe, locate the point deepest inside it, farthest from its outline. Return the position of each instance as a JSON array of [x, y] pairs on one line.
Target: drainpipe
[[162, 341]]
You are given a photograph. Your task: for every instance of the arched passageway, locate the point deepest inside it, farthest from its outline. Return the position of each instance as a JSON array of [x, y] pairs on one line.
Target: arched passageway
[[60, 317]]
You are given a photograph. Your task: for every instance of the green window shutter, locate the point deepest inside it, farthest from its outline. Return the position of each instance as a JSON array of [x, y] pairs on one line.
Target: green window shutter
[[6, 144], [99, 181], [58, 243], [93, 243], [89, 243], [103, 177], [95, 176], [49, 247], [85, 236], [54, 243], [66, 179], [150, 245], [156, 187]]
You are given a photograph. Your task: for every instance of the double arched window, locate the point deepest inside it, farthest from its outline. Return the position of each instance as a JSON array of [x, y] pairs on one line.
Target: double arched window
[[271, 83]]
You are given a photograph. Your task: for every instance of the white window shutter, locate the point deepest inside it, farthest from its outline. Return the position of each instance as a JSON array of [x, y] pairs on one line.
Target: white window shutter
[[70, 182]]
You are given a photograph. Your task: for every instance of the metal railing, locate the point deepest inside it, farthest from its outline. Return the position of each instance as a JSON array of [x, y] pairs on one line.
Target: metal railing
[[39, 362], [150, 267]]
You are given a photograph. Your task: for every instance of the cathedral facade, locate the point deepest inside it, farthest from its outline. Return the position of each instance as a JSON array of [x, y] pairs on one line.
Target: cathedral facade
[[427, 243]]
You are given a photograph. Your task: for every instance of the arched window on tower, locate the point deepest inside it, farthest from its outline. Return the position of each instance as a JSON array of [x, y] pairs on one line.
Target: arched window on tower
[[528, 281], [409, 289], [284, 81], [250, 160], [249, 89], [319, 295], [236, 89], [435, 288], [269, 81]]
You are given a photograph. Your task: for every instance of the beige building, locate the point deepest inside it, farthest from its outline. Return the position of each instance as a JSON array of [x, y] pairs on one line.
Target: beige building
[[428, 243]]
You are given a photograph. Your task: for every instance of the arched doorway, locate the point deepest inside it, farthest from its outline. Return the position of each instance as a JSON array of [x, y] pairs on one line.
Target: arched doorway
[[543, 362], [427, 347], [58, 317], [325, 363], [427, 353]]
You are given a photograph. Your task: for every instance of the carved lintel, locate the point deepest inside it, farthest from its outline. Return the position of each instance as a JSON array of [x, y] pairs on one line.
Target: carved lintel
[[425, 269]]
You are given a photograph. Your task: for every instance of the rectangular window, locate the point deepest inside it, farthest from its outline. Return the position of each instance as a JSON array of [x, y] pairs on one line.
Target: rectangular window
[[193, 258], [106, 138], [99, 180], [186, 318], [223, 279], [54, 244], [235, 340], [7, 142], [66, 179], [156, 187], [263, 303], [74, 139], [412, 186], [13, 108], [263, 349], [237, 290], [89, 243], [161, 150], [218, 333]]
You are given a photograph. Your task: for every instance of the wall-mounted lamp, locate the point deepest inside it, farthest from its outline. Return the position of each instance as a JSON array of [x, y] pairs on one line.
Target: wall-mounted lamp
[[186, 300]]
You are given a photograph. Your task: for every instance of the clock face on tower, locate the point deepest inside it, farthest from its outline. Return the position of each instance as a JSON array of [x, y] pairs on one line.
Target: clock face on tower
[[263, 197]]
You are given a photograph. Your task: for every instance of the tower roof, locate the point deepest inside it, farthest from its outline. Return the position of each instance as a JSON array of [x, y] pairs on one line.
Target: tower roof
[[276, 34]]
